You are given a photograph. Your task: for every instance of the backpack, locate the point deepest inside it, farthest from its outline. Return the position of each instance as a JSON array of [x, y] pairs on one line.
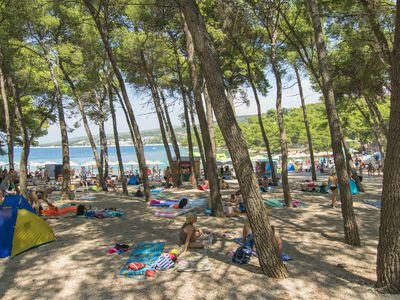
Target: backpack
[[139, 193], [242, 255], [242, 207]]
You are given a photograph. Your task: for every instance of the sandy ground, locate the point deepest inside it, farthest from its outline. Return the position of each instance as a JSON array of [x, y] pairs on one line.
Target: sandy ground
[[76, 265]]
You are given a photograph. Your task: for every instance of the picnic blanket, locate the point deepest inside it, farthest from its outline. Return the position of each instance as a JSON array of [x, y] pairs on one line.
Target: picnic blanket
[[375, 203], [194, 261], [284, 256], [145, 253], [280, 202]]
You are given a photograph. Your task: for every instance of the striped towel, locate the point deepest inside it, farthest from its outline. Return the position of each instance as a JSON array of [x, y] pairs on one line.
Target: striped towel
[[164, 262]]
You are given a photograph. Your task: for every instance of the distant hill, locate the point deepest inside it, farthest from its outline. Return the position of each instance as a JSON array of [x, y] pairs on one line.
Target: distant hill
[[150, 136]]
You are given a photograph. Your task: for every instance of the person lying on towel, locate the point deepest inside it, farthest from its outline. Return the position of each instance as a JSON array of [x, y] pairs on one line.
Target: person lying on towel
[[189, 234]]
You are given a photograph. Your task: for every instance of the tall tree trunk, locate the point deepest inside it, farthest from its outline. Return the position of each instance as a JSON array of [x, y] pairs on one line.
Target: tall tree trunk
[[352, 236], [259, 116], [375, 112], [157, 104], [231, 98], [185, 108], [374, 128], [7, 117], [171, 132], [23, 164], [306, 123], [211, 163], [103, 148], [210, 119], [78, 100], [270, 263], [281, 125], [138, 138], [116, 140], [197, 135], [66, 184], [388, 261]]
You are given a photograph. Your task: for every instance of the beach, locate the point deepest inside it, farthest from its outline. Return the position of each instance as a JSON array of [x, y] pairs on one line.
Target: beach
[[76, 265]]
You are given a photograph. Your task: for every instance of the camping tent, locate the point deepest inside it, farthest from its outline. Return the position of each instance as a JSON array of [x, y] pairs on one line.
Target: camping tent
[[21, 228], [291, 167]]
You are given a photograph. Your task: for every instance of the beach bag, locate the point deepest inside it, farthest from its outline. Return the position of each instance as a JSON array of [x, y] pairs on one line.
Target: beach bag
[[139, 193], [242, 255], [242, 207], [164, 262]]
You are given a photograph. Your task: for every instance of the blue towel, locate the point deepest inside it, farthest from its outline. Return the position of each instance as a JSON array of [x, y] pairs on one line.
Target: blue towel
[[375, 203], [145, 253], [284, 256]]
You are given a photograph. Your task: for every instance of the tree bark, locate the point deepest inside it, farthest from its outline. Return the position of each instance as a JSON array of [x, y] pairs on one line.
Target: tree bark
[[23, 164], [103, 149], [185, 108], [375, 112], [66, 184], [171, 133], [82, 112], [351, 168], [259, 116], [264, 240], [138, 138], [116, 140], [209, 114], [281, 125], [352, 236], [388, 261], [197, 135], [7, 117], [211, 163], [306, 123], [157, 104]]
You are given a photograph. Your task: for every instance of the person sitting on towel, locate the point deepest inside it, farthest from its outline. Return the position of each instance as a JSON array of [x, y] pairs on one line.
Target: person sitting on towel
[[248, 239], [189, 234]]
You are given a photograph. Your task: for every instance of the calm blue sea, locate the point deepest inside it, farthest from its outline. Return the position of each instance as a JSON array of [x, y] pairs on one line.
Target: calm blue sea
[[81, 155]]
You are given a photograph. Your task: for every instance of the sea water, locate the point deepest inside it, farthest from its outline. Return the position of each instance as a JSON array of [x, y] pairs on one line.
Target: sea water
[[81, 154]]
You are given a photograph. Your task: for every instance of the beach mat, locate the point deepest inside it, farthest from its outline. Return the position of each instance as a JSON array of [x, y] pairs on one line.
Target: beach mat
[[280, 202], [173, 212], [194, 261], [375, 203], [145, 253], [59, 211], [163, 203]]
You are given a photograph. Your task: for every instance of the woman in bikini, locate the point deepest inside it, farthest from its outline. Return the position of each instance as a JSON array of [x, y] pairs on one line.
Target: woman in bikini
[[189, 234]]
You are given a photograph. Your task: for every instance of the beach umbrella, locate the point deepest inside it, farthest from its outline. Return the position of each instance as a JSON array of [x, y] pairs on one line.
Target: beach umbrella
[[73, 164], [113, 163], [157, 162], [258, 157], [3, 164], [131, 163], [48, 162], [35, 164], [91, 163], [150, 162]]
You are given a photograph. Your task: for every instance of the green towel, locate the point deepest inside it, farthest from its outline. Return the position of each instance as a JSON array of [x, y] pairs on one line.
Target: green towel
[[274, 202]]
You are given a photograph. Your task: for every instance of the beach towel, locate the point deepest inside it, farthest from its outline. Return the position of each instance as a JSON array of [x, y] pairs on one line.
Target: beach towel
[[194, 261], [279, 202], [87, 197], [103, 214], [375, 203], [196, 203], [156, 191], [162, 203], [145, 253], [56, 211], [172, 212]]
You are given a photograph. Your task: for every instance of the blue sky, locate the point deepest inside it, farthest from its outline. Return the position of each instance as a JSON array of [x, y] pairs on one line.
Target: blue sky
[[147, 118]]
